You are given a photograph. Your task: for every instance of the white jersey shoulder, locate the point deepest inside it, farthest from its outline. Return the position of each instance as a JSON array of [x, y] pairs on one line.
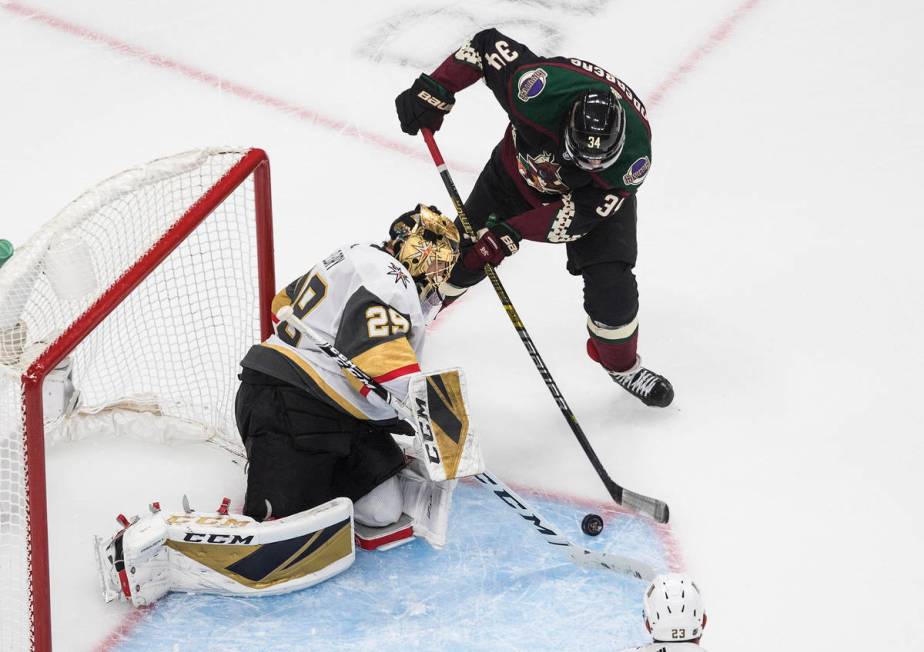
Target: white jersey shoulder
[[382, 274], [364, 302], [364, 267]]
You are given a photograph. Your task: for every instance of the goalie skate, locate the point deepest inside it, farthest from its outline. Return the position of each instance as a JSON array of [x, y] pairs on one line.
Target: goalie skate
[[384, 538], [111, 574], [647, 386]]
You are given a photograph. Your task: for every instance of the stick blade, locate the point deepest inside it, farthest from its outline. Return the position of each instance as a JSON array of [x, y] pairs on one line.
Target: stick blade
[[613, 562], [656, 509]]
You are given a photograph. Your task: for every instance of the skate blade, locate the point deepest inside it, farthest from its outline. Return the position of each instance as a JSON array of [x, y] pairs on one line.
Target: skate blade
[[105, 570]]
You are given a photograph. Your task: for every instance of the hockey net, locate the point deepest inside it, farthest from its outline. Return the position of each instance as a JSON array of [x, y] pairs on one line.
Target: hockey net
[[139, 298]]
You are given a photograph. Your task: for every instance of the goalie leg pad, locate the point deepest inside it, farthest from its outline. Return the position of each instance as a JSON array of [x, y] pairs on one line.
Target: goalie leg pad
[[208, 552], [427, 502]]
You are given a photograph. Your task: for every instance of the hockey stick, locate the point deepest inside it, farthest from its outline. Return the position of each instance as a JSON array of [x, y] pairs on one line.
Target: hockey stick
[[581, 556], [287, 315], [653, 507]]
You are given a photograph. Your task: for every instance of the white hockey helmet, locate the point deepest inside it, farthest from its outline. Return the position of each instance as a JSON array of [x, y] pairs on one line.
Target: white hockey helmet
[[674, 608]]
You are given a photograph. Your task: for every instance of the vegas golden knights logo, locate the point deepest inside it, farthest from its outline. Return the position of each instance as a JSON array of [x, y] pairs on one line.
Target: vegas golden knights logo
[[448, 418], [264, 565]]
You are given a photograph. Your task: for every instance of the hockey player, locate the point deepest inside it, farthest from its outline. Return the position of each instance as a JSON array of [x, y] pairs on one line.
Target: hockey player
[[322, 464], [576, 150], [313, 432], [674, 614]]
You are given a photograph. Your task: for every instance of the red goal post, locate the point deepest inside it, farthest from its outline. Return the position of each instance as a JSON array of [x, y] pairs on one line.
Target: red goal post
[[141, 295]]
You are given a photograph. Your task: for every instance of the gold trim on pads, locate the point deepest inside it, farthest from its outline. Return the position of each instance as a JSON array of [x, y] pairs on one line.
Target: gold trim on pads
[[220, 557]]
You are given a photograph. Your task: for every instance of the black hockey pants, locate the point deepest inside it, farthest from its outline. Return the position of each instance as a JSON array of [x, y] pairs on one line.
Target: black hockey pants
[[302, 452]]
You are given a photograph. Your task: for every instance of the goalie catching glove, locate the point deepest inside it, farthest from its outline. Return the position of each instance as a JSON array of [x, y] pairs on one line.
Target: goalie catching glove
[[227, 554]]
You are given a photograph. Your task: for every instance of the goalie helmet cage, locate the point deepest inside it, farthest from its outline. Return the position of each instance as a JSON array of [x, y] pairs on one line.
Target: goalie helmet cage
[[110, 310]]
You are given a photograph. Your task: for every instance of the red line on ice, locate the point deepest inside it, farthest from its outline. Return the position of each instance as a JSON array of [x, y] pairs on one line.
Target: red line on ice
[[715, 38], [663, 531], [407, 147], [118, 635]]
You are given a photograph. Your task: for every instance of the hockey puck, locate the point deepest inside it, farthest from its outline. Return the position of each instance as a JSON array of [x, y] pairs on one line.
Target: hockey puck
[[592, 525]]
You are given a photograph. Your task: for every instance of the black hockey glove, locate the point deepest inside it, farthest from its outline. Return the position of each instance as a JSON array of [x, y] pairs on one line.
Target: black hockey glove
[[498, 242], [423, 105]]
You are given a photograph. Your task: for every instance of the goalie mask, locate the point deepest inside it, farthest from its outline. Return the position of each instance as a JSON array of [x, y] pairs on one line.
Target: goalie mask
[[426, 242]]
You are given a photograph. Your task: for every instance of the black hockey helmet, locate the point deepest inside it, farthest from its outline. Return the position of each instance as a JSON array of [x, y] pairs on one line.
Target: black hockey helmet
[[596, 130]]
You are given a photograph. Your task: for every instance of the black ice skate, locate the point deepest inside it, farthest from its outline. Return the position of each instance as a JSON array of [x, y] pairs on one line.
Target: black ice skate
[[645, 385]]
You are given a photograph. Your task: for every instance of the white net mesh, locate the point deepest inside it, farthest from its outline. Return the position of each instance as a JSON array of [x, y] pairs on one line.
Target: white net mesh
[[14, 573], [172, 347]]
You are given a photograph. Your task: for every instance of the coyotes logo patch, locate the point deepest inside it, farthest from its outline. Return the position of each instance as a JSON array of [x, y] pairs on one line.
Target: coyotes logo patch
[[542, 173]]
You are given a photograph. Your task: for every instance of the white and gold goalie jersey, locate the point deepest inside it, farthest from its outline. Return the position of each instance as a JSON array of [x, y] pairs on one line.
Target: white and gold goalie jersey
[[363, 301]]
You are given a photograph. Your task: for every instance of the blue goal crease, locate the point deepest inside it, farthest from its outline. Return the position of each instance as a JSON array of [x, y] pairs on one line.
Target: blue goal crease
[[495, 586]]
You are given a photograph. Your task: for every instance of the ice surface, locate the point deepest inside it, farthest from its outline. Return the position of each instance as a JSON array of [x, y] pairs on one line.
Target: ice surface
[[90, 482], [495, 586], [780, 233]]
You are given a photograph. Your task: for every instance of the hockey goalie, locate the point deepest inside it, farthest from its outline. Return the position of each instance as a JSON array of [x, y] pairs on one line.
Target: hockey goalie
[[330, 464]]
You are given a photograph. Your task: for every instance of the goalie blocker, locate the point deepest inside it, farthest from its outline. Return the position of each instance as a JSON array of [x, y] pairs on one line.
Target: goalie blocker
[[443, 440], [442, 449]]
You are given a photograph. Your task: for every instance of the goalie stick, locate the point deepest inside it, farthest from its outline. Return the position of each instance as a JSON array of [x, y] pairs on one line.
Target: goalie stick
[[579, 555], [653, 507], [286, 314]]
